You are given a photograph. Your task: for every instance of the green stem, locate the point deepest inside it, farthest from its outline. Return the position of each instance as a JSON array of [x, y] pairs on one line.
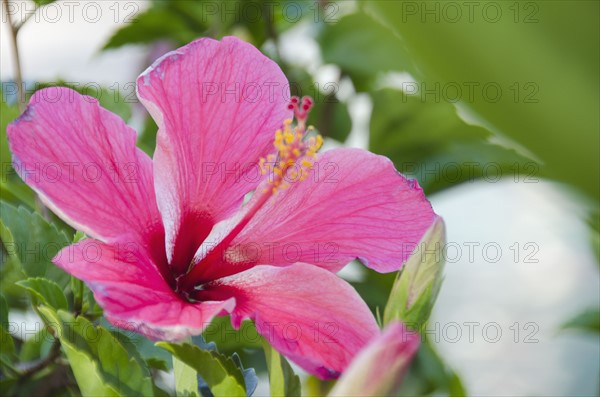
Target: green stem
[[53, 354], [4, 363], [77, 288], [14, 30]]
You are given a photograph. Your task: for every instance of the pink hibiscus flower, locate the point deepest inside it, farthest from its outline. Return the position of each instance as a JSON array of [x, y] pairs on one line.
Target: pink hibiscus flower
[[171, 243]]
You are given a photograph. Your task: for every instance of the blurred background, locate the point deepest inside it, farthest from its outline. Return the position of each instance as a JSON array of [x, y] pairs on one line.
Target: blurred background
[[492, 106]]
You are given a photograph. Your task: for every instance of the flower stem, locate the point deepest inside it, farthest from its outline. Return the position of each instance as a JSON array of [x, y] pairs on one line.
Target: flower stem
[[14, 31], [53, 354]]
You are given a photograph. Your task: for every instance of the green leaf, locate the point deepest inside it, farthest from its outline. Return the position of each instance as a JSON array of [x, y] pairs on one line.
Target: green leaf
[[314, 386], [588, 320], [114, 98], [40, 3], [8, 345], [45, 292], [77, 286], [100, 363], [3, 313], [430, 375], [157, 363], [12, 188], [419, 282], [186, 379], [429, 141], [147, 139], [34, 242], [250, 378], [221, 332], [78, 236], [156, 23], [282, 379], [329, 115], [220, 372], [362, 48], [331, 118], [541, 57], [39, 345]]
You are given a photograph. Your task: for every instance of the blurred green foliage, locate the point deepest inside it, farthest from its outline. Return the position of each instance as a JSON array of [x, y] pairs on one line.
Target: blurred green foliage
[[544, 57]]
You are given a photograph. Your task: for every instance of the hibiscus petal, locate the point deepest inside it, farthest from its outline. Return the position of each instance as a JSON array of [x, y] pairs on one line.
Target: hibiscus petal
[[379, 368], [217, 105], [353, 205], [308, 314], [83, 162], [133, 294]]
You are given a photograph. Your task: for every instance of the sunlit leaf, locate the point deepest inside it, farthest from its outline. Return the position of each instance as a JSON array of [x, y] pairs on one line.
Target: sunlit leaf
[[100, 363], [45, 292], [186, 379], [282, 379], [220, 373]]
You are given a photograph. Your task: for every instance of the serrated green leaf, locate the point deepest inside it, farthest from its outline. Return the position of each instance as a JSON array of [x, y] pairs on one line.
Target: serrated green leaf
[[86, 369], [186, 379], [220, 372], [282, 379], [129, 377], [250, 378], [45, 292], [418, 284], [35, 243], [157, 363], [78, 236], [100, 363]]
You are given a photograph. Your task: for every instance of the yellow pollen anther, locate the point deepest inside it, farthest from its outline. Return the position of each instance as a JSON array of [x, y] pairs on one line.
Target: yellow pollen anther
[[295, 156]]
